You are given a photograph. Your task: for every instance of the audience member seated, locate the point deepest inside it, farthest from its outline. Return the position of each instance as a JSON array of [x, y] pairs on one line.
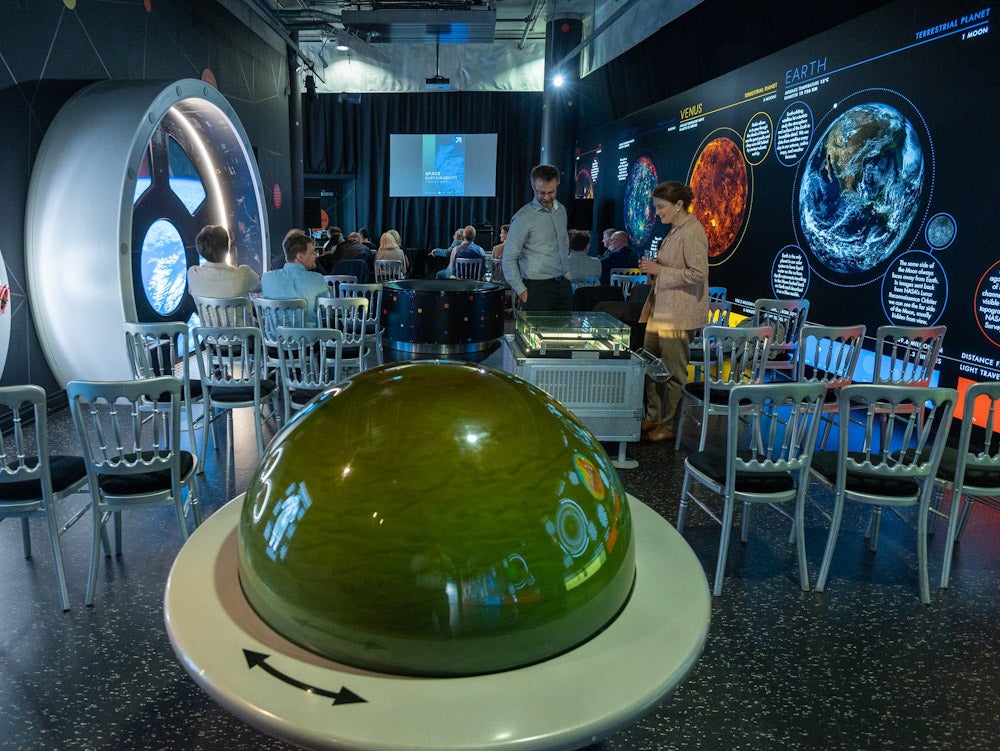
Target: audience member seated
[[366, 239], [296, 278], [346, 250], [498, 248], [619, 256], [466, 249], [583, 268], [217, 277], [389, 250], [606, 239]]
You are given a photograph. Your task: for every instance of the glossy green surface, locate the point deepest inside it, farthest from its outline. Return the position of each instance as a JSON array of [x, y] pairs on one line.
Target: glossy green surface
[[436, 518]]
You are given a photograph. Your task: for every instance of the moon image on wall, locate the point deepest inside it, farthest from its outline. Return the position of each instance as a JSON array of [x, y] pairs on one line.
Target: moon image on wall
[[861, 188], [639, 215], [721, 185]]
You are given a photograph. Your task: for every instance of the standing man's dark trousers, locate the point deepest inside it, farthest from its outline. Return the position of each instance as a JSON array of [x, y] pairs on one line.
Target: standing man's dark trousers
[[549, 294]]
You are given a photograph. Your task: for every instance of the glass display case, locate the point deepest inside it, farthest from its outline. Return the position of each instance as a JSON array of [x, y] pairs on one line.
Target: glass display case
[[580, 335]]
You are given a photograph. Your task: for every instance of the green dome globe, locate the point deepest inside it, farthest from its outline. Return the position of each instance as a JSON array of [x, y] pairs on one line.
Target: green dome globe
[[436, 518]]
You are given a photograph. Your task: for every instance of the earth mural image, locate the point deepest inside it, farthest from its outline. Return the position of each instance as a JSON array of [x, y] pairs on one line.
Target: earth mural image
[[721, 187], [861, 188], [639, 215]]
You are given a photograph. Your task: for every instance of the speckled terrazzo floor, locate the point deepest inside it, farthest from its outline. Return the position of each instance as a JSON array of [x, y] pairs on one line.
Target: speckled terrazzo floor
[[862, 666]]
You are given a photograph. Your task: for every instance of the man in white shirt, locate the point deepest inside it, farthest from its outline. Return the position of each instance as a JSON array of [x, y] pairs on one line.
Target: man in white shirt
[[217, 277]]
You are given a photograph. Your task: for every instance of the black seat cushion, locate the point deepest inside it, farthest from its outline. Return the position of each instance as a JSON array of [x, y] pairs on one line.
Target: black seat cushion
[[232, 394], [65, 470], [720, 397], [145, 482], [712, 462], [826, 462], [977, 477]]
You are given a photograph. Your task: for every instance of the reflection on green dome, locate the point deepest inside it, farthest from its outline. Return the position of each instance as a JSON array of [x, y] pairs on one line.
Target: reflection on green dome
[[435, 518]]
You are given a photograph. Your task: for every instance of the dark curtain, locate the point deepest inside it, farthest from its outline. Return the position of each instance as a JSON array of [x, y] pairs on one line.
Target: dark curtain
[[342, 139]]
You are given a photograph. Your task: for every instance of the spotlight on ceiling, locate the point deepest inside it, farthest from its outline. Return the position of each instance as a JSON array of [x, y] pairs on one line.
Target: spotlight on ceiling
[[342, 48], [558, 79]]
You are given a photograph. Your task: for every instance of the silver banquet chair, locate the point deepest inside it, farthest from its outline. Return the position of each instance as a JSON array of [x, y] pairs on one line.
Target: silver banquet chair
[[32, 481], [310, 360], [350, 316], [130, 433]]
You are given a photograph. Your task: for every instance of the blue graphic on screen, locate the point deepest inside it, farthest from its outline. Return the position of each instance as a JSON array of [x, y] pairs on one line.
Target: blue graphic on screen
[[861, 188], [444, 165], [164, 267]]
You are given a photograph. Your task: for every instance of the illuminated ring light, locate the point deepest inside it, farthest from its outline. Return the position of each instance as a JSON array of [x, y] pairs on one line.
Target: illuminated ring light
[[86, 227], [6, 312], [567, 701]]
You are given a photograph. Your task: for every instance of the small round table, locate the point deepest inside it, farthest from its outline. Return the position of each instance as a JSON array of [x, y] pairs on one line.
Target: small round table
[[568, 701]]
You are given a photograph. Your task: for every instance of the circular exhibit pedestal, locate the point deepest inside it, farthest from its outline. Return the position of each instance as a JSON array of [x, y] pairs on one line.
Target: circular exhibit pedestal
[[442, 316], [568, 701]]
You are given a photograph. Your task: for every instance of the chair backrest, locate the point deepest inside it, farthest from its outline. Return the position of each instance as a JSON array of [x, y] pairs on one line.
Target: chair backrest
[[373, 292], [717, 294], [128, 427], [719, 312], [772, 427], [907, 354], [347, 315], [786, 318], [977, 465], [310, 357], [904, 429], [624, 278], [24, 447], [357, 267], [829, 354], [389, 271], [333, 281], [630, 271], [273, 312], [467, 268], [735, 355], [157, 349], [585, 298], [230, 356], [224, 311]]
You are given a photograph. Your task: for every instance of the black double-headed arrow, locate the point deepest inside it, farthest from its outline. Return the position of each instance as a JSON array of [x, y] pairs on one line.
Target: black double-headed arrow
[[259, 659]]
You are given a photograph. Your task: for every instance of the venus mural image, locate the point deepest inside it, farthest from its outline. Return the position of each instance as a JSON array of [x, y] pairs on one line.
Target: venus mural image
[[861, 188], [721, 186]]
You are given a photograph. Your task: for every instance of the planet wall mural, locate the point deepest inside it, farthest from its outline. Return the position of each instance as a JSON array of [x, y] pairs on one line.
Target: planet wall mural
[[861, 188], [721, 184], [639, 215]]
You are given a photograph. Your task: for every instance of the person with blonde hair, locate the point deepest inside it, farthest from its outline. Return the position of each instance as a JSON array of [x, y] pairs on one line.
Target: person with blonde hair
[[389, 250]]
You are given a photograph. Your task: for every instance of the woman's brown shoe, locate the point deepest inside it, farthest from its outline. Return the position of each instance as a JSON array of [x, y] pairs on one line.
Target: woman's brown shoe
[[659, 433]]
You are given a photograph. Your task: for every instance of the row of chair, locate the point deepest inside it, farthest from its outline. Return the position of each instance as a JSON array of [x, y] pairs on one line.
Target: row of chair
[[130, 435], [892, 432]]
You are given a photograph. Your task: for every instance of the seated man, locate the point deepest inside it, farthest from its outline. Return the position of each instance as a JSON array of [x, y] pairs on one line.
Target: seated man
[[466, 249], [297, 277], [583, 268], [216, 277], [619, 256]]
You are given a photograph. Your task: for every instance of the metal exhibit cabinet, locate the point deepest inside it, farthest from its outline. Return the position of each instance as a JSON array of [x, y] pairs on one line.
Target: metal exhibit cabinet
[[583, 361]]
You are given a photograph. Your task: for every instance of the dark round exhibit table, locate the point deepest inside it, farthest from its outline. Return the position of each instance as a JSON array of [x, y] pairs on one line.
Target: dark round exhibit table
[[442, 316]]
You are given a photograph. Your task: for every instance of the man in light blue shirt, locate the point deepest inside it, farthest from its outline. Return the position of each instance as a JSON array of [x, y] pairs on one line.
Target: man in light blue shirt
[[296, 279], [536, 253]]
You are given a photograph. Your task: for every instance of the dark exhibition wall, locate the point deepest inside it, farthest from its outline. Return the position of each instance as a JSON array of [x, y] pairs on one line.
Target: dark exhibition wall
[[852, 169], [50, 51]]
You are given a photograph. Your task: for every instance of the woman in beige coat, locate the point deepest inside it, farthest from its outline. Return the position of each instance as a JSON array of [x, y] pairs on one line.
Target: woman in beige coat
[[677, 305]]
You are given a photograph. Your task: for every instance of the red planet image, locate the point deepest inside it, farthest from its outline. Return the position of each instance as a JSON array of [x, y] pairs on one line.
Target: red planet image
[[721, 193]]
